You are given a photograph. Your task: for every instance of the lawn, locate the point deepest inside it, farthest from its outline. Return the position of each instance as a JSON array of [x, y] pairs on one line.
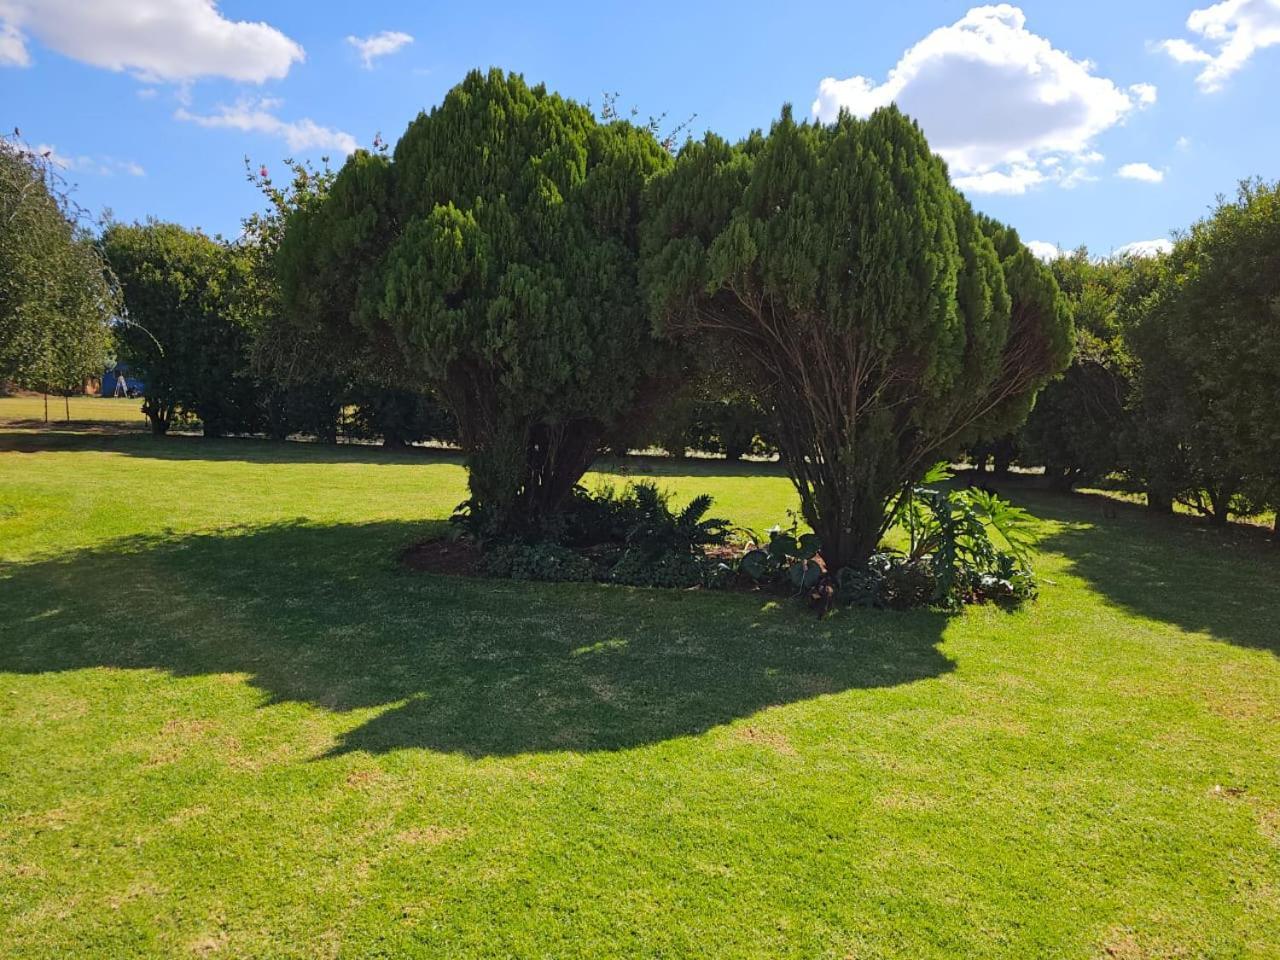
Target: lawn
[[232, 725], [77, 413]]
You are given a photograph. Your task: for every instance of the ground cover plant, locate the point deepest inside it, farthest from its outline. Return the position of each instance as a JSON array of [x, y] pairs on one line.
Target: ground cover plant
[[233, 724]]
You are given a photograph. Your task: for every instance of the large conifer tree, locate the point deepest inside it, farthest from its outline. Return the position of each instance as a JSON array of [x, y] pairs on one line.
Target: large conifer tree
[[867, 304], [493, 257]]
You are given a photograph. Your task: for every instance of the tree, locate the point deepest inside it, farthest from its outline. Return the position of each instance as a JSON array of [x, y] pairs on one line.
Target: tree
[[1207, 403], [1075, 430], [56, 296], [866, 303], [190, 338], [493, 259]]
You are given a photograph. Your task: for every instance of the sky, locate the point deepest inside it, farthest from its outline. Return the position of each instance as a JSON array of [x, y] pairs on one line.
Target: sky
[[1105, 124]]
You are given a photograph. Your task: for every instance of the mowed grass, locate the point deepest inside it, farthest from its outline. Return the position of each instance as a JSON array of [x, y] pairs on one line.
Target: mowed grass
[[28, 412], [232, 725]]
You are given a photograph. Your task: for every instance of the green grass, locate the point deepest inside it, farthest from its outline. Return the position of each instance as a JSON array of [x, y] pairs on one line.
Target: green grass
[[231, 725], [71, 413]]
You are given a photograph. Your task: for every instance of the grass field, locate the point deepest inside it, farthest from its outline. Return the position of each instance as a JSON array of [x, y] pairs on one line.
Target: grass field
[[232, 725]]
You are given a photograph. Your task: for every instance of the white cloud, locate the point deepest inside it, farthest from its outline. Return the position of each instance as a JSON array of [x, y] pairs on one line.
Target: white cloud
[[998, 102], [379, 45], [102, 166], [1184, 143], [1145, 93], [1140, 171], [13, 47], [1237, 29], [1014, 181], [1144, 248], [157, 40], [256, 116], [1044, 250]]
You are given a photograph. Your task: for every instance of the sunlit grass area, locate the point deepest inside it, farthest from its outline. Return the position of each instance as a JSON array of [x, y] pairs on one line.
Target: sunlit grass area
[[37, 412], [231, 724]]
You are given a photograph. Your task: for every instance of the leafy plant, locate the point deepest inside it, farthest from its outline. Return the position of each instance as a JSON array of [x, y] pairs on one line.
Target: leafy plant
[[978, 545], [788, 558], [654, 530], [538, 561]]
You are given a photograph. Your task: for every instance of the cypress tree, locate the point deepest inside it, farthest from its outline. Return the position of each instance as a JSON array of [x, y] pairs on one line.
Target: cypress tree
[[493, 259], [864, 300]]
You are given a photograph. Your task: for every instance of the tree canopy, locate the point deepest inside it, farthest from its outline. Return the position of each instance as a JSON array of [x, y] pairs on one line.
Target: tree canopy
[[189, 336], [493, 258], [865, 301], [56, 295], [1206, 403]]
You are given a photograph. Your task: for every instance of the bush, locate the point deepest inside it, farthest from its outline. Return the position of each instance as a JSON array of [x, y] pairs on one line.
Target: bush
[[634, 538], [538, 561]]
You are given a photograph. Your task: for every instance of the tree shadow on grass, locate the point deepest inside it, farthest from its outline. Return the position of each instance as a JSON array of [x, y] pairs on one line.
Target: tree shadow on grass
[[1175, 569], [326, 616]]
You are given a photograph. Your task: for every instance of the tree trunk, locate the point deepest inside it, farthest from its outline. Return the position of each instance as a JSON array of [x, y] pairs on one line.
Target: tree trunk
[[1220, 507], [1159, 501], [46, 408], [66, 402]]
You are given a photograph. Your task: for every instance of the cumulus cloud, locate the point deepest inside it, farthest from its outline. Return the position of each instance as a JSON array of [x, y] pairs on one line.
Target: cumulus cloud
[[157, 40], [379, 45], [1235, 30], [1144, 248], [1140, 171], [257, 116], [1005, 108], [1044, 250]]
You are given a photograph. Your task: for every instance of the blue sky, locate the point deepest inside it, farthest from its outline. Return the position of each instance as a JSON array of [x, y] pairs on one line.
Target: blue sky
[[1098, 123]]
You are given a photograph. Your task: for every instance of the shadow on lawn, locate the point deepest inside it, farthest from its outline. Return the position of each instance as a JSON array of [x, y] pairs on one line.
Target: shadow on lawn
[[325, 615], [1176, 569]]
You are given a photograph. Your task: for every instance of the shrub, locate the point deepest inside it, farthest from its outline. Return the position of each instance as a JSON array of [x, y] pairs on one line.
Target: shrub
[[538, 561]]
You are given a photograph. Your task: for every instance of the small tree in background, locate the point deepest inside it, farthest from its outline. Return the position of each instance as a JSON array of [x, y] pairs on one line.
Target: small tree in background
[[191, 337], [868, 306], [57, 299], [493, 259], [1076, 429]]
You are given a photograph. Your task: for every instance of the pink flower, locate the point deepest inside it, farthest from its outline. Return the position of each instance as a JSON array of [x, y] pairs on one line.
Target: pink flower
[[262, 171]]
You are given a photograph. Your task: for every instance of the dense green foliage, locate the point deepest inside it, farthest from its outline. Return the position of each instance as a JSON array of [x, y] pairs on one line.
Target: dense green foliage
[[1206, 405], [1077, 427], [492, 258], [189, 337], [865, 303], [56, 295]]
